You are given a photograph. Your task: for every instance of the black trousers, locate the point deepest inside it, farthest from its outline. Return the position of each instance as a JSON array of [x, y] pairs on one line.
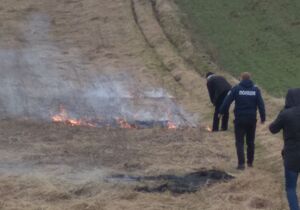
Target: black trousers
[[245, 128], [225, 118]]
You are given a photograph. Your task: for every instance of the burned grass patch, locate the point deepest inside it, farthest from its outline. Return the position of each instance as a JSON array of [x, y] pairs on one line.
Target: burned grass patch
[[176, 184]]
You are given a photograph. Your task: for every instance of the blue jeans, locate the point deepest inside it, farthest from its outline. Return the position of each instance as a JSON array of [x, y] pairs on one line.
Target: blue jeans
[[291, 178]]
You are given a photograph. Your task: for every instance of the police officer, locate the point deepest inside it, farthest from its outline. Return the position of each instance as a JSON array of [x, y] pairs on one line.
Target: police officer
[[218, 88], [247, 99]]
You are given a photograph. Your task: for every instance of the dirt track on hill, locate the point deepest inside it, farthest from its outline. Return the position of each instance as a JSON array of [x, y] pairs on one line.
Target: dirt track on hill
[[75, 53], [88, 56]]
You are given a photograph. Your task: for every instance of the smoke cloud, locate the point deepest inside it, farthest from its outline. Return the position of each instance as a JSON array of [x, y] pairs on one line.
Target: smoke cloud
[[39, 79]]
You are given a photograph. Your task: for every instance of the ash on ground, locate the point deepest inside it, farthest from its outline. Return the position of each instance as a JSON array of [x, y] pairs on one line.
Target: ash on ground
[[188, 183]]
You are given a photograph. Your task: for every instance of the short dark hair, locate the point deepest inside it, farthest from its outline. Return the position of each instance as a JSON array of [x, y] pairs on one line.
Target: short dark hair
[[245, 76], [208, 74]]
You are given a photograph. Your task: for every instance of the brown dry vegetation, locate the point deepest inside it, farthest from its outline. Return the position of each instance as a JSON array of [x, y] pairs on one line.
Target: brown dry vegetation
[[51, 166]]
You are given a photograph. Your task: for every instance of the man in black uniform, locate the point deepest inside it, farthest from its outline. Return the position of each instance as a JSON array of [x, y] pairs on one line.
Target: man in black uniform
[[247, 99], [288, 120], [218, 88]]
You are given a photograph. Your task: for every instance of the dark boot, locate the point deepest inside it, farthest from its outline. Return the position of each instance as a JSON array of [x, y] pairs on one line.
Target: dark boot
[[240, 167]]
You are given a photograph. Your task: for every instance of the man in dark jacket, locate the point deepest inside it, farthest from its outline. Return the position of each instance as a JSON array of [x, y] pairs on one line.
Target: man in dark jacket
[[289, 120], [218, 88], [247, 99]]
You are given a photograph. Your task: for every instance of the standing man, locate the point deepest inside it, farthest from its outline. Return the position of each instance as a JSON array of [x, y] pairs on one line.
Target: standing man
[[288, 120], [218, 88], [247, 99]]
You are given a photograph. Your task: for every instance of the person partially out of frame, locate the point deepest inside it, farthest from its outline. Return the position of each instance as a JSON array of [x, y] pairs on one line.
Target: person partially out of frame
[[288, 120]]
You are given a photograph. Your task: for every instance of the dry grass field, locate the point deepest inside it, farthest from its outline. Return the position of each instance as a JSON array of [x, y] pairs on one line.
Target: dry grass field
[[55, 166]]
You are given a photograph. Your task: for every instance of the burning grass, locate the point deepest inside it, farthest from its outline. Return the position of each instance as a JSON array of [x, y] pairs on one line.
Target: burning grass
[[56, 166], [117, 122]]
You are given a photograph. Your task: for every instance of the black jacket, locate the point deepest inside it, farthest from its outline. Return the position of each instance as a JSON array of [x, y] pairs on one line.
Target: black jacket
[[247, 99], [289, 120], [217, 85]]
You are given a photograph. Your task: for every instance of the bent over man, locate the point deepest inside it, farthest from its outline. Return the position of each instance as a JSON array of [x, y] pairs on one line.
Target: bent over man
[[288, 120], [247, 99], [218, 88]]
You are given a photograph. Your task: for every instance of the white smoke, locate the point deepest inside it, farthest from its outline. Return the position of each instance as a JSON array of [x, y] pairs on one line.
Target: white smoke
[[38, 79]]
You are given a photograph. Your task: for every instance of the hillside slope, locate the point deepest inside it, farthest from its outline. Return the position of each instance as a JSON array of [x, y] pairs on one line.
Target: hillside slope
[[256, 36], [55, 52]]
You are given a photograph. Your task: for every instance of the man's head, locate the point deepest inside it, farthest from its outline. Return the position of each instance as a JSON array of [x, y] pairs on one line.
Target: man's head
[[209, 74], [292, 98], [245, 76]]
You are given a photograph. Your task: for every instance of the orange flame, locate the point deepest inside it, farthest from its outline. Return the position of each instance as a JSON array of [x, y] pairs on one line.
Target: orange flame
[[208, 128], [64, 118], [123, 123], [171, 125]]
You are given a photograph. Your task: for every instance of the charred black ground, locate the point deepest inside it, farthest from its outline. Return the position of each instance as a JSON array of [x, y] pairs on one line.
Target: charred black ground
[[188, 183]]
